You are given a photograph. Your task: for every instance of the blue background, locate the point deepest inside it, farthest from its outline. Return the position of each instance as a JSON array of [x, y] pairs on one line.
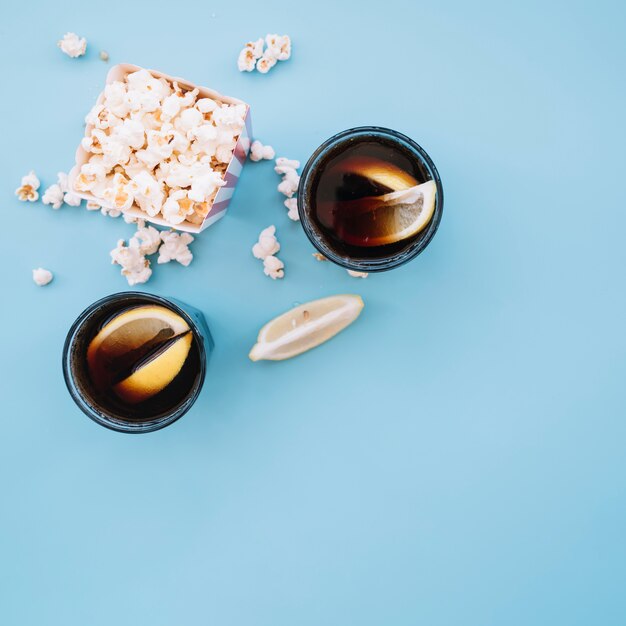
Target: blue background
[[456, 456]]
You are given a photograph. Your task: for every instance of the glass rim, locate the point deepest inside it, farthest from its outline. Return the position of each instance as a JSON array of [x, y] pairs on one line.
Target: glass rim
[[100, 417], [317, 238]]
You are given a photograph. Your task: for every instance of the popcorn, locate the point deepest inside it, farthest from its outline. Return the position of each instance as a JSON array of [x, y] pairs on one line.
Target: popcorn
[[178, 100], [273, 267], [102, 118], [147, 193], [265, 64], [145, 92], [110, 212], [131, 133], [188, 119], [175, 247], [73, 45], [356, 274], [284, 165], [92, 206], [93, 141], [53, 196], [115, 98], [114, 152], [289, 184], [104, 55], [257, 47], [155, 146], [319, 257], [203, 186], [224, 152], [206, 105], [205, 139], [177, 207], [252, 51], [229, 115], [120, 194], [58, 193], [69, 197], [147, 238], [135, 266], [27, 191], [278, 49], [90, 175], [41, 276], [267, 245], [258, 152], [292, 206], [180, 174]]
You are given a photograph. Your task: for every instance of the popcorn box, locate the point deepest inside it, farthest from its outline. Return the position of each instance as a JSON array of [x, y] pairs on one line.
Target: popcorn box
[[224, 194]]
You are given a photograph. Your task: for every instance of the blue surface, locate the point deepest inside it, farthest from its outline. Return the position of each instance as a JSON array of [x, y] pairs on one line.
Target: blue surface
[[455, 457]]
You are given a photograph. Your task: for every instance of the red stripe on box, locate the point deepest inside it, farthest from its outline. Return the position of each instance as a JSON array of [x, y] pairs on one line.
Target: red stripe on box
[[218, 207], [231, 179], [249, 124], [240, 153]]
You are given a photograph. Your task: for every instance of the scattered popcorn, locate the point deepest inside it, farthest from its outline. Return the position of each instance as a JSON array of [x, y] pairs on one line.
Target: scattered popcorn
[[175, 247], [356, 274], [42, 277], [73, 45], [27, 191], [59, 193], [104, 55], [319, 257], [69, 197], [53, 196], [252, 51], [267, 245], [159, 148], [110, 212], [284, 165], [273, 267], [289, 184], [259, 152], [135, 266], [277, 48], [265, 64], [147, 238], [292, 206], [93, 206]]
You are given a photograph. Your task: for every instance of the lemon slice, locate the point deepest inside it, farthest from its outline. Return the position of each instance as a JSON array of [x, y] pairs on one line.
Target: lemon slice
[[390, 218], [157, 373], [305, 327], [130, 335], [381, 172]]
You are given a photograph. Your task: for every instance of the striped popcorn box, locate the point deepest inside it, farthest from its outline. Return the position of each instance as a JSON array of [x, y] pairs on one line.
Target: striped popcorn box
[[216, 206]]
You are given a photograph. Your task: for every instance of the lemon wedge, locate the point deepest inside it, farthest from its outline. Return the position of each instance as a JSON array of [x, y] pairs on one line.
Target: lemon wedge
[[381, 172], [305, 327], [128, 336], [157, 373], [394, 216]]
